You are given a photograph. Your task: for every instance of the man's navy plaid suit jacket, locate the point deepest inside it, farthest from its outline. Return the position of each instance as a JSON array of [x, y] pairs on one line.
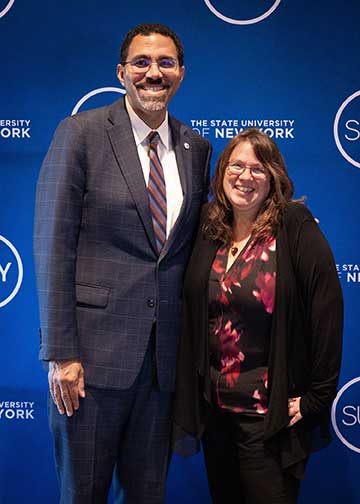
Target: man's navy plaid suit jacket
[[101, 283]]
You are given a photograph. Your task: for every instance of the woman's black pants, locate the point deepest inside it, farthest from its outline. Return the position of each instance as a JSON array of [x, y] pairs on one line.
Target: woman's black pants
[[239, 468]]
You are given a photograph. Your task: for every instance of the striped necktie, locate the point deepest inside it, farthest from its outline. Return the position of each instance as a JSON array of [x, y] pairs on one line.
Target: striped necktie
[[157, 191]]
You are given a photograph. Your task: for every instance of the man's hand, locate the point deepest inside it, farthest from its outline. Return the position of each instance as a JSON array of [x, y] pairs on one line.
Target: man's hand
[[294, 410], [66, 384]]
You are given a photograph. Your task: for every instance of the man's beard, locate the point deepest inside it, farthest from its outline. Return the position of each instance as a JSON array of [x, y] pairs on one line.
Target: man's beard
[[153, 104]]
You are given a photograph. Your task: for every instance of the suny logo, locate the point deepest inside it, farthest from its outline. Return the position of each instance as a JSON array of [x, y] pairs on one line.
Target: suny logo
[[8, 6], [11, 271], [347, 129], [345, 414], [231, 20], [94, 93]]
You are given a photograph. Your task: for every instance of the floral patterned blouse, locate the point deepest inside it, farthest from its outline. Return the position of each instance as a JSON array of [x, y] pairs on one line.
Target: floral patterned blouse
[[241, 303]]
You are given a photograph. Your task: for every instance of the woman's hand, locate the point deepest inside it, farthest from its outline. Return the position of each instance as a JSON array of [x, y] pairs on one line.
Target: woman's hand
[[294, 410]]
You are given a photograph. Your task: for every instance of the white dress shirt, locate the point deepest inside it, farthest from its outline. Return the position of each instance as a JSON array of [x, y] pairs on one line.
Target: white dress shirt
[[166, 153]]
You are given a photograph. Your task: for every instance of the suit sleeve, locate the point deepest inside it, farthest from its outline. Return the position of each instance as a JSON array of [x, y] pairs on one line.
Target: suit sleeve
[[322, 297], [58, 211]]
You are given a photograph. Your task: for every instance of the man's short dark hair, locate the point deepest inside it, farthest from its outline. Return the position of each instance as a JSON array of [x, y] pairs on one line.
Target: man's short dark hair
[[148, 29]]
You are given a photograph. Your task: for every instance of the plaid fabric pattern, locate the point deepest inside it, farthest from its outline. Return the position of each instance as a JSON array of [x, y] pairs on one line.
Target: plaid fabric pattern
[[101, 280]]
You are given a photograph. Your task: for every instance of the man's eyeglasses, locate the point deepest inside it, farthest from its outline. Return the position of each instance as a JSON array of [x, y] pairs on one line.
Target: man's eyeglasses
[[142, 65], [239, 169]]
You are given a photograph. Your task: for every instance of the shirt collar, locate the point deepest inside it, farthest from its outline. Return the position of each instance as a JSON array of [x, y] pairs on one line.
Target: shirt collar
[[141, 129]]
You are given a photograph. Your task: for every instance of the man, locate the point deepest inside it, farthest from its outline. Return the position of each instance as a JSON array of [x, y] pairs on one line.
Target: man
[[117, 208]]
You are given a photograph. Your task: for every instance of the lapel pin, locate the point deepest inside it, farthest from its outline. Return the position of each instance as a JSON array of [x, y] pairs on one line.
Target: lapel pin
[[187, 146]]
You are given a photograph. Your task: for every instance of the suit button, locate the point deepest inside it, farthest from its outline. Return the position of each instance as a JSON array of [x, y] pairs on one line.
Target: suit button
[[151, 302]]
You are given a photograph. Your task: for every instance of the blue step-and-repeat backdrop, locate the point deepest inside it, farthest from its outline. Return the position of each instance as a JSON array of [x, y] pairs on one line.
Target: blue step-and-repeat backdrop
[[288, 67]]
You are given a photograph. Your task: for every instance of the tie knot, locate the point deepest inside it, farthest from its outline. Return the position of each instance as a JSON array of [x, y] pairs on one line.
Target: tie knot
[[153, 138]]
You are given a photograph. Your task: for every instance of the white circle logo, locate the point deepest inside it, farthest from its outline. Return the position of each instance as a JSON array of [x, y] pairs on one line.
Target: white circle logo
[[96, 92], [7, 8], [242, 21], [10, 277], [345, 414], [349, 130]]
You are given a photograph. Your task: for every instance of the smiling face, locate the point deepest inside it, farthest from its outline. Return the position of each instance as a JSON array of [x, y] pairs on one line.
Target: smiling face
[[150, 91], [247, 191]]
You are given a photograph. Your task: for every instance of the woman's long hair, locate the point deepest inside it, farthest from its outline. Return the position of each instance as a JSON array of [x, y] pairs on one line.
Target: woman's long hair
[[219, 218]]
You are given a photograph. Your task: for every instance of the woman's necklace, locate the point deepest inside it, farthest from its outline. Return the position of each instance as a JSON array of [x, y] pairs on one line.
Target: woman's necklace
[[238, 246], [234, 250]]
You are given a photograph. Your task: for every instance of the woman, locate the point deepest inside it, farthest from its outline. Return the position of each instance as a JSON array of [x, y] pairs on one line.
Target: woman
[[260, 351]]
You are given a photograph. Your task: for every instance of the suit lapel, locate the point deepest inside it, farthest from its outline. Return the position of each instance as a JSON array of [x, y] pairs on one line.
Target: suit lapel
[[125, 150], [182, 153], [183, 156]]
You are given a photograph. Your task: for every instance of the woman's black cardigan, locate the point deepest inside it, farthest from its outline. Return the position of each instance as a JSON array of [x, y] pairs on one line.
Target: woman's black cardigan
[[305, 348]]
